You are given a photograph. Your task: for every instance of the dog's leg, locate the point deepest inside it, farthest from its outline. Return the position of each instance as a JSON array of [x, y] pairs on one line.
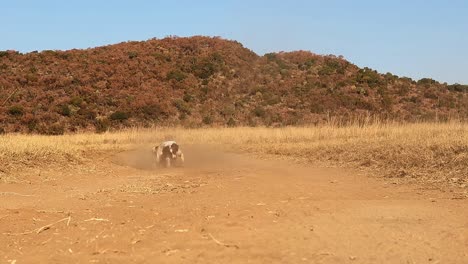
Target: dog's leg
[[158, 157], [168, 162], [182, 159]]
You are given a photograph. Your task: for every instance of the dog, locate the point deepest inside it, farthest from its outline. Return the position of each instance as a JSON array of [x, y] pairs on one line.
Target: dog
[[168, 154]]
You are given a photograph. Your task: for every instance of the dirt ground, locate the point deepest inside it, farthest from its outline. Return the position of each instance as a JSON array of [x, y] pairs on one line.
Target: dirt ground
[[224, 208]]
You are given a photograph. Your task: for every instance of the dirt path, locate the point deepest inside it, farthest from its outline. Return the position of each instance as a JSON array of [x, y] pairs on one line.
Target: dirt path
[[224, 208]]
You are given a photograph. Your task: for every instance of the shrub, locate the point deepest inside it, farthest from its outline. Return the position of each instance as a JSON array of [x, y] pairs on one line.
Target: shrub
[[317, 108], [251, 122], [276, 118], [53, 130], [362, 91], [458, 87], [431, 94], [293, 119], [285, 73], [76, 81], [217, 58], [176, 75], [369, 77], [65, 110], [56, 129], [188, 97], [257, 90], [119, 116], [259, 111], [231, 122], [76, 101], [132, 54], [207, 120], [32, 126], [301, 90], [307, 65], [427, 81], [326, 70], [386, 99], [182, 116], [182, 106], [16, 110], [102, 125], [228, 110], [162, 57], [415, 99], [204, 69], [403, 90], [87, 113], [153, 112], [270, 56]]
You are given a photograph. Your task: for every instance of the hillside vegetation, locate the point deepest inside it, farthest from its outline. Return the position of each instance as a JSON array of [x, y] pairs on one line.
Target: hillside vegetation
[[203, 81]]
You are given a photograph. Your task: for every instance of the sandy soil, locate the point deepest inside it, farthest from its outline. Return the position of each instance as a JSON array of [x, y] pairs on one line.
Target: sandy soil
[[224, 208]]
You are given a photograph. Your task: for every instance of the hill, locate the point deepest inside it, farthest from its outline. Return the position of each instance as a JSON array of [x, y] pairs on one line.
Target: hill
[[204, 81]]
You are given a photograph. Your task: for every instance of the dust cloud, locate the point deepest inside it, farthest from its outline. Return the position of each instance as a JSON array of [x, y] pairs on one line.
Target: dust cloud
[[196, 157]]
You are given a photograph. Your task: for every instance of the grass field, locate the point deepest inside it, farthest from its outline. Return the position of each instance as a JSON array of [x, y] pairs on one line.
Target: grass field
[[428, 152]]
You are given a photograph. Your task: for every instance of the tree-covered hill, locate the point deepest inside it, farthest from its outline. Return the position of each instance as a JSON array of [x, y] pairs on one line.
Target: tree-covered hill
[[200, 81]]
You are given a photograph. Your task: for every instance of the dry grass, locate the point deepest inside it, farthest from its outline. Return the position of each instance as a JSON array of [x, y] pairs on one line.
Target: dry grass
[[430, 152]]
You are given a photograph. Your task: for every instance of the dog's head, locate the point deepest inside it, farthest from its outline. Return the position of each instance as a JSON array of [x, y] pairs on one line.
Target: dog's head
[[174, 150], [166, 151], [171, 150]]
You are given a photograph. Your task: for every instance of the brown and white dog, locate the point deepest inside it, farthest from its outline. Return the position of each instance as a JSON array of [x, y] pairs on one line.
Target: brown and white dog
[[168, 154]]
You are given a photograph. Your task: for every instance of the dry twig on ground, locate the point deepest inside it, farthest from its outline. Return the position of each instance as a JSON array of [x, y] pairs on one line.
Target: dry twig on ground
[[221, 243], [42, 228], [17, 194]]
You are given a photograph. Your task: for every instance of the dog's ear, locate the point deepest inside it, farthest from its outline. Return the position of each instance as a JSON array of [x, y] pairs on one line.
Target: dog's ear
[[175, 148]]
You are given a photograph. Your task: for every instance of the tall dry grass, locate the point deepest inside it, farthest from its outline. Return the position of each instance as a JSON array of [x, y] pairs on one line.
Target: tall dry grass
[[430, 152]]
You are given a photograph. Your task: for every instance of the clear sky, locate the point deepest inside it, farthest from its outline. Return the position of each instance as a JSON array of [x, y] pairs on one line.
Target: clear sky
[[415, 38]]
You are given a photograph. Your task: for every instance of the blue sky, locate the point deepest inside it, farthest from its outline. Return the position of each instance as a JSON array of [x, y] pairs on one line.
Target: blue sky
[[415, 38]]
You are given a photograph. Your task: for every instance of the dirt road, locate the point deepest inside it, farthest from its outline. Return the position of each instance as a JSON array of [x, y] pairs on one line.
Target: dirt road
[[224, 208]]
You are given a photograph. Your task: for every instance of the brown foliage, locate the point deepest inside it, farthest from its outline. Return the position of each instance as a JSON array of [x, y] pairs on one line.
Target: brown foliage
[[205, 81]]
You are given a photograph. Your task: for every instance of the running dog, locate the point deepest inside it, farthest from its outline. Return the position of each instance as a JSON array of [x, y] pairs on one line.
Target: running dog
[[168, 154]]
